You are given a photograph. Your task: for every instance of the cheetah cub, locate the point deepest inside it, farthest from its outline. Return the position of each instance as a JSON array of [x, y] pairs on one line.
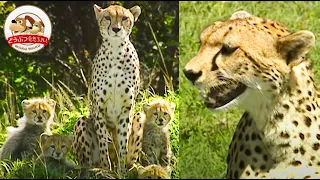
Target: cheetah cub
[[22, 141], [55, 148], [156, 137], [151, 172]]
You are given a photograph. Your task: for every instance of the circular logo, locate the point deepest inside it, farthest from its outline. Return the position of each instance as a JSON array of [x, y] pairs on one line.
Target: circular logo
[[28, 29]]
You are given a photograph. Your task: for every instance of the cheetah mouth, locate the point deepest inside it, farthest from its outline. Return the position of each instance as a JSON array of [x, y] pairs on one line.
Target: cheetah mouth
[[222, 95]]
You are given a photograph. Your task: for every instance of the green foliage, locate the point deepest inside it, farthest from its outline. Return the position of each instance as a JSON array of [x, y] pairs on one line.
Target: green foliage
[[205, 136]]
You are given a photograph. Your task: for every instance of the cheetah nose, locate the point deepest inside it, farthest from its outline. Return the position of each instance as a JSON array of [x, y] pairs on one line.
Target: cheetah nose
[[191, 75], [58, 153], [161, 120], [115, 29], [39, 117]]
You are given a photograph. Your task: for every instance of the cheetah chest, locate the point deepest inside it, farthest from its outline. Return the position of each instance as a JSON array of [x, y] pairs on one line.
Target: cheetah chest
[[115, 75]]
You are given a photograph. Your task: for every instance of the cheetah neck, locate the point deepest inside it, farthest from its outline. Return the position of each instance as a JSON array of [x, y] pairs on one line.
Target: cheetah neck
[[113, 50], [290, 116]]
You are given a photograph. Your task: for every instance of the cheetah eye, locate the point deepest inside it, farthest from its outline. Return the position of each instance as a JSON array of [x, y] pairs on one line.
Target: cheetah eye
[[44, 111], [165, 113], [155, 113], [228, 50], [52, 146], [63, 146], [108, 18], [34, 111], [124, 18]]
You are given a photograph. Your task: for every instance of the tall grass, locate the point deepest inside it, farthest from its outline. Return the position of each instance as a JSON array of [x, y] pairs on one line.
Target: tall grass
[[205, 136]]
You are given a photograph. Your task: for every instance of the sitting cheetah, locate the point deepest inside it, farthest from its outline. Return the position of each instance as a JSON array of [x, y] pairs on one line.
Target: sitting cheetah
[[261, 67], [54, 150], [23, 141], [156, 136], [115, 82]]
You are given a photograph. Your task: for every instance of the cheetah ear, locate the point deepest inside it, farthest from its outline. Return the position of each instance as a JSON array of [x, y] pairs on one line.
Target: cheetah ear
[[136, 11], [52, 103], [25, 103], [44, 137], [173, 106], [240, 15], [97, 10], [295, 46]]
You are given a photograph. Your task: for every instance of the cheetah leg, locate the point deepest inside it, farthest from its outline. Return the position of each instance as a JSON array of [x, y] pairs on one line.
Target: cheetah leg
[[85, 143], [151, 158], [123, 132], [165, 158], [103, 140], [135, 139]]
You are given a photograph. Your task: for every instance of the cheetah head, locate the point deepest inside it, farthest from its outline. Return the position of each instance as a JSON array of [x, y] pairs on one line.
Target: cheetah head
[[38, 111], [116, 22], [152, 171], [245, 56], [56, 146], [159, 112]]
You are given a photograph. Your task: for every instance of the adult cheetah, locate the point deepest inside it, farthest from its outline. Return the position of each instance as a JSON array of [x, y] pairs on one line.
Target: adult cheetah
[[261, 67], [114, 86]]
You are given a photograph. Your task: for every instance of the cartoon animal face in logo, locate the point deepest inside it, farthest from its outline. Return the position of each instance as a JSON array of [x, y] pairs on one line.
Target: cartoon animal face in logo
[[27, 29], [37, 27], [19, 25]]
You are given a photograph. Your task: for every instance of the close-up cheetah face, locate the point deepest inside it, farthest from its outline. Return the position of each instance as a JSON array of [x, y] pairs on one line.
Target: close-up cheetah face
[[56, 146], [159, 112], [38, 111], [116, 22], [245, 55]]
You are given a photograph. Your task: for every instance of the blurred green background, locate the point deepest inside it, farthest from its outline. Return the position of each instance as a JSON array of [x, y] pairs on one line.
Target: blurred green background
[[204, 135]]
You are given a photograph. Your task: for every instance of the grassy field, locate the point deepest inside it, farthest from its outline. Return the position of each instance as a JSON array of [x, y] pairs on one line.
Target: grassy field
[[205, 136], [69, 109]]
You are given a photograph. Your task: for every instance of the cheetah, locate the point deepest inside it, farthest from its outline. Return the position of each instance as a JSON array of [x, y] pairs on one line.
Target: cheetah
[[23, 140], [54, 150], [152, 172], [261, 67], [115, 82], [156, 137]]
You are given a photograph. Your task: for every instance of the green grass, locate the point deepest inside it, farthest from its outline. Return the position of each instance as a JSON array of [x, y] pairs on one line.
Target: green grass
[[204, 135]]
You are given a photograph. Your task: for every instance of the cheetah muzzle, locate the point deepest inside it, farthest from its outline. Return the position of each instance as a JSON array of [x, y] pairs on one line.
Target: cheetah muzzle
[[223, 94]]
